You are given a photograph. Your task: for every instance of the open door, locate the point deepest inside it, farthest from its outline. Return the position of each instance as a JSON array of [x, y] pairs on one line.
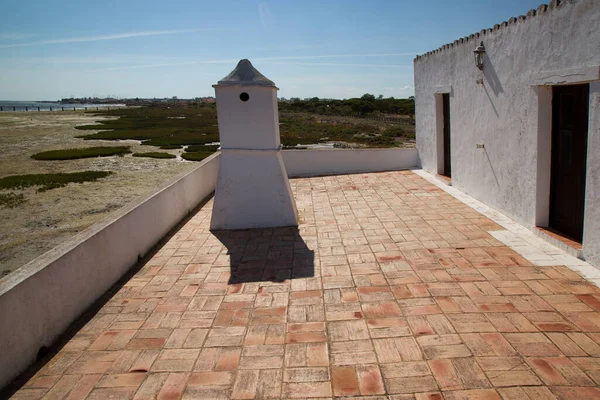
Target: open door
[[569, 155], [447, 162]]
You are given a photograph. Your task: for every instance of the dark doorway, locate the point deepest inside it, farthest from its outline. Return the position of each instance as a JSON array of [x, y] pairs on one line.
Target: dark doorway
[[447, 164], [569, 154]]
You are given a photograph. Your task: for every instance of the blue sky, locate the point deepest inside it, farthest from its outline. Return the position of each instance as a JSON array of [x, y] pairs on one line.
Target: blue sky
[[327, 48]]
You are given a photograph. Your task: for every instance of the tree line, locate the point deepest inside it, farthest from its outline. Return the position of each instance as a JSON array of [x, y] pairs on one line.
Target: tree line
[[365, 105]]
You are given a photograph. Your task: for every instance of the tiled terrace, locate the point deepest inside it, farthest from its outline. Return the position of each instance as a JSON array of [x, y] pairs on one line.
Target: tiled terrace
[[390, 288]]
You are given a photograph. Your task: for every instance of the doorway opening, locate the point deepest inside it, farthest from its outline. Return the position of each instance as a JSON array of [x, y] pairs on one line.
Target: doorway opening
[[570, 109], [444, 164]]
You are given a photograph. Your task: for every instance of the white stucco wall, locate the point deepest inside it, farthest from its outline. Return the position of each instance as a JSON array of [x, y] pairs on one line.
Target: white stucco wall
[[252, 124], [346, 161], [41, 299], [509, 111]]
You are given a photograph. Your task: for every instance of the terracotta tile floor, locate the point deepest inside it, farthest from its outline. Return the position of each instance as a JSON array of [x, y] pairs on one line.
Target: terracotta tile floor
[[390, 288]]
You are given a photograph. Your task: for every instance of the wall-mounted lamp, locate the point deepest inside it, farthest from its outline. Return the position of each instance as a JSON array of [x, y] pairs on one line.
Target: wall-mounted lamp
[[479, 56]]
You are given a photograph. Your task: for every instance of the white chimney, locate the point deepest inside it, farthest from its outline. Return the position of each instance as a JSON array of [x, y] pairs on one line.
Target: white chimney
[[253, 190]]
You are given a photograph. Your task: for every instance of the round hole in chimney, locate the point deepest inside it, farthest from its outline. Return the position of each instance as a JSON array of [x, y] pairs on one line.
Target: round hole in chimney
[[244, 96]]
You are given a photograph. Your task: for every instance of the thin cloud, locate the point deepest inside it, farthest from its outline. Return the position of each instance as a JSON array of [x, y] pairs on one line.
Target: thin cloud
[[13, 36], [100, 37], [327, 64], [269, 59], [264, 11]]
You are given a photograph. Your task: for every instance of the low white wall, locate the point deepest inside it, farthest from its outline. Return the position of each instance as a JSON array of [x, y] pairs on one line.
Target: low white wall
[[40, 300], [346, 161]]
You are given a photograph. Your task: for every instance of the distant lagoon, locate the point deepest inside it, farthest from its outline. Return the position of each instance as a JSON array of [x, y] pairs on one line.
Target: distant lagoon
[[9, 105]]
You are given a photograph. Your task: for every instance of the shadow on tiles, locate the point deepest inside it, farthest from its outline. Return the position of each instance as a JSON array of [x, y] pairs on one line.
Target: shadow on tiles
[[270, 254]]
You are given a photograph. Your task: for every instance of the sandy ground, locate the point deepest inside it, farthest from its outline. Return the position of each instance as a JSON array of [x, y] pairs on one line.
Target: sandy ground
[[49, 218]]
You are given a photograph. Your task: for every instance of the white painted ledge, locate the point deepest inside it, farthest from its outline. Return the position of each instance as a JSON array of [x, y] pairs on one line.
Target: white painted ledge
[[300, 163], [445, 89], [567, 76]]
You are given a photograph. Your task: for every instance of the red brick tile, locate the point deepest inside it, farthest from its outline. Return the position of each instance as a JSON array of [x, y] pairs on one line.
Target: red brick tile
[[579, 393], [210, 378], [303, 337], [112, 393], [397, 349], [133, 379], [443, 346], [64, 385], [151, 386], [306, 327], [388, 327], [307, 390], [411, 385], [532, 344], [314, 374], [559, 371], [173, 387], [245, 385], [518, 393], [474, 394], [228, 359], [347, 330], [445, 374], [151, 343], [421, 310], [591, 301], [419, 325], [370, 381], [345, 381]]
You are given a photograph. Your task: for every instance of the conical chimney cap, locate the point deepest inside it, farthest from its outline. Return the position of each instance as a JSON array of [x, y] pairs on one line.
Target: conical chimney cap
[[245, 74]]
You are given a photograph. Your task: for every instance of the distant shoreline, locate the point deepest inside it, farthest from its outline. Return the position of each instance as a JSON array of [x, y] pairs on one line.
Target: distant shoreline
[[22, 106]]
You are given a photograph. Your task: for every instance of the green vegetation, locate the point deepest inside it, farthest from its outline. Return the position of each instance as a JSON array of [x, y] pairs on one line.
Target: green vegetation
[[11, 200], [366, 121], [367, 104], [308, 129], [159, 126], [50, 181], [398, 131], [72, 154], [196, 156], [155, 154], [195, 148]]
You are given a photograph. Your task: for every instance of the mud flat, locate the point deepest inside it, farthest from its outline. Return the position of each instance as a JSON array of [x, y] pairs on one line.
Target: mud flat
[[48, 218]]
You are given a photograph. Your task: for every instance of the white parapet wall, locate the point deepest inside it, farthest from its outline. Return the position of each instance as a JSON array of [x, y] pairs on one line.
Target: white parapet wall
[[300, 163], [39, 301]]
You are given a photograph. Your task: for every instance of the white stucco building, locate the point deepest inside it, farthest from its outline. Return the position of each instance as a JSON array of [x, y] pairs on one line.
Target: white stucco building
[[521, 134]]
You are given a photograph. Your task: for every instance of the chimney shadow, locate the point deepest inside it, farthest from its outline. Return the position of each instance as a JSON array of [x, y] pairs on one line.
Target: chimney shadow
[[267, 255]]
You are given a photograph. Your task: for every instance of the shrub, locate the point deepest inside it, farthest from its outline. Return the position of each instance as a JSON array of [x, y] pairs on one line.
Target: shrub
[[50, 181], [393, 131], [196, 148], [156, 154], [72, 154], [11, 200], [196, 156]]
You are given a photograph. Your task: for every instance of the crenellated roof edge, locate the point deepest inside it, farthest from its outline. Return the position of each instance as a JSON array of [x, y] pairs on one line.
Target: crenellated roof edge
[[475, 37]]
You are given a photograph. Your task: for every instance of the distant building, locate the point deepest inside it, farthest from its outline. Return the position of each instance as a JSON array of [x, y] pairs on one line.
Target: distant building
[[522, 133]]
